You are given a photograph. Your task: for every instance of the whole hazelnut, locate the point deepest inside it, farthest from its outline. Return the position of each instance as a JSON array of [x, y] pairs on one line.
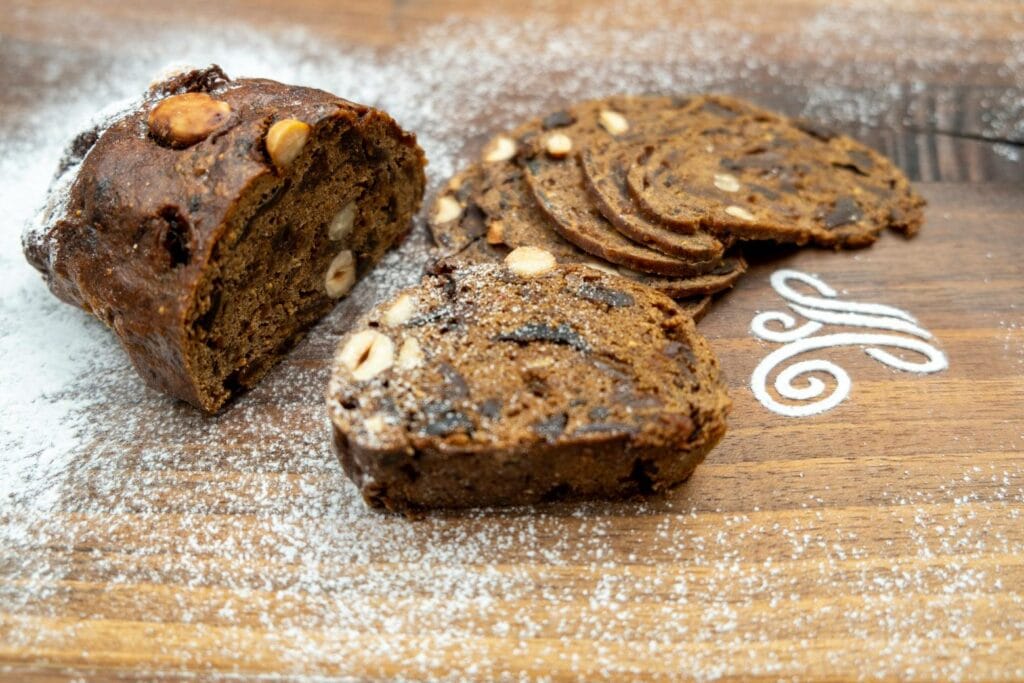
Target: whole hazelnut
[[183, 120]]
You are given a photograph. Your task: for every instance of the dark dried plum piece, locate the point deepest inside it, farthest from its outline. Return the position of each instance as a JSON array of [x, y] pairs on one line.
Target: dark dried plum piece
[[552, 427], [542, 332], [443, 419], [815, 129], [559, 119], [455, 383], [449, 424], [600, 294], [491, 408], [673, 349], [845, 212]]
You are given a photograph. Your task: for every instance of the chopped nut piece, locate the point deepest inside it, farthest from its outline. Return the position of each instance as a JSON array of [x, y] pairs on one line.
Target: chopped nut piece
[[529, 261], [401, 311], [374, 423], [285, 141], [613, 122], [739, 212], [367, 354], [558, 145], [410, 355], [342, 224], [446, 209], [496, 233], [183, 120], [501, 148], [726, 182], [341, 274]]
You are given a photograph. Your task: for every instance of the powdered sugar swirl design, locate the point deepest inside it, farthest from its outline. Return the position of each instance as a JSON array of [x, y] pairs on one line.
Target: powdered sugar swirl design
[[891, 327]]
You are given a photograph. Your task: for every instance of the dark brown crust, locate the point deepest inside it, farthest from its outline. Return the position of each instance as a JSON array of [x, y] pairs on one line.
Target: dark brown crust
[[107, 250], [504, 356], [497, 191]]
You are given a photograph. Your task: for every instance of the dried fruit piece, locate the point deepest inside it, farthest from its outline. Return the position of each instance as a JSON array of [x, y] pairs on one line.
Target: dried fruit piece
[[341, 274], [183, 120], [845, 212], [542, 332], [529, 261], [367, 354], [285, 141]]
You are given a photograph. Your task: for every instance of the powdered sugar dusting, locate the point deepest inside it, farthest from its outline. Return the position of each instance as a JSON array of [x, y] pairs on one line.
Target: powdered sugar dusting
[[243, 529]]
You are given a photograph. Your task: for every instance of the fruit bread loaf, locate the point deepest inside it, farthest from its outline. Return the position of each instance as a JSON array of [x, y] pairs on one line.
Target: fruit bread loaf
[[212, 222], [519, 382]]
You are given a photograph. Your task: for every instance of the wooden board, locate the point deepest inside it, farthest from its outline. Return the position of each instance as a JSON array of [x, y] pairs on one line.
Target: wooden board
[[882, 538]]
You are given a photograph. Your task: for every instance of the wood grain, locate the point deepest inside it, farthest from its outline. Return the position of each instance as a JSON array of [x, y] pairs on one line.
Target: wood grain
[[884, 538]]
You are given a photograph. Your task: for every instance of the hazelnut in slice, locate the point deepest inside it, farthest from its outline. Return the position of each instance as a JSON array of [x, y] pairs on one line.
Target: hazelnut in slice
[[558, 145], [401, 311], [285, 141], [341, 274], [501, 148], [342, 223], [410, 355], [613, 122], [446, 209], [726, 182], [181, 121], [367, 354], [529, 262], [739, 212]]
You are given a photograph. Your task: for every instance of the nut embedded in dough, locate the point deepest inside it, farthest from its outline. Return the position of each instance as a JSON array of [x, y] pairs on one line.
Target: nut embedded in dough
[[613, 122], [739, 212], [367, 354], [341, 274], [285, 141], [401, 311], [558, 145], [410, 355], [501, 148], [183, 120], [446, 209], [529, 261], [342, 223]]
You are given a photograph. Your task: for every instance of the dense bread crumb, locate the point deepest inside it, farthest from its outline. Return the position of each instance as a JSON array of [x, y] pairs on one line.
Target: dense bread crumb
[[205, 243], [557, 383]]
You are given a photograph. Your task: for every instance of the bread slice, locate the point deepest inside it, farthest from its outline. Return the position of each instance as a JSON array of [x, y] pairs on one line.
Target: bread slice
[[520, 382]]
